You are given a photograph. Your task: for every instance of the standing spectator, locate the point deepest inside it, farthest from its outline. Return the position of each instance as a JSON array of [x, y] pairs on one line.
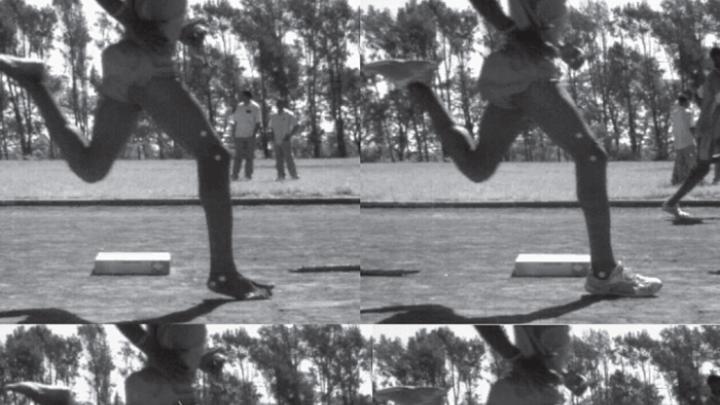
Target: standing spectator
[[708, 129], [283, 125], [682, 130], [245, 124]]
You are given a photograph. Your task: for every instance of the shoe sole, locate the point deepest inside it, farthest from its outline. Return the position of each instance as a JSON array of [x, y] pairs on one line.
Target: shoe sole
[[610, 293]]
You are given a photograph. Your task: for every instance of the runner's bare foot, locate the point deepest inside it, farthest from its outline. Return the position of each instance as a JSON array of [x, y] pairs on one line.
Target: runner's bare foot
[[239, 287], [24, 70], [403, 72], [42, 394]]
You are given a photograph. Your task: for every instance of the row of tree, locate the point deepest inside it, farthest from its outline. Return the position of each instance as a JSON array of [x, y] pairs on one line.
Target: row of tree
[[631, 369], [294, 365], [639, 58], [292, 49]]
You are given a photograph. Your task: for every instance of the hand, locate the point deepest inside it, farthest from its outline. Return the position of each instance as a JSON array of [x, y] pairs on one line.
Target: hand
[[169, 363], [212, 362], [530, 41], [193, 33], [147, 33], [576, 383], [572, 56], [534, 371]]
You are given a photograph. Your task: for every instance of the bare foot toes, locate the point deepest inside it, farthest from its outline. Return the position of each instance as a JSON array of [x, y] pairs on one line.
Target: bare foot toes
[[239, 287]]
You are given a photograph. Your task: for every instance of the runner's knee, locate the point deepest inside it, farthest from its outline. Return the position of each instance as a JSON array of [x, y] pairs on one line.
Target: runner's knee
[[214, 154], [91, 168], [214, 169], [701, 169], [479, 170], [592, 153]]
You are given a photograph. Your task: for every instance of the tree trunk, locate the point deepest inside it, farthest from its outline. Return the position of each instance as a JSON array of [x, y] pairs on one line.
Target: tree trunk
[[265, 115], [25, 144], [335, 79], [632, 131]]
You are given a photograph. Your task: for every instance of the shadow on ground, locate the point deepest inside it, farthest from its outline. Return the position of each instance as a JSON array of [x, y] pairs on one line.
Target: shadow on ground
[[429, 313], [56, 315]]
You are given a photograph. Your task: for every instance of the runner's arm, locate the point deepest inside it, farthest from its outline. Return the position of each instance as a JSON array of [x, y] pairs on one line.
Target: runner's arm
[[193, 33], [293, 131], [146, 32], [119, 9], [138, 336], [165, 360], [530, 38], [494, 14], [498, 340]]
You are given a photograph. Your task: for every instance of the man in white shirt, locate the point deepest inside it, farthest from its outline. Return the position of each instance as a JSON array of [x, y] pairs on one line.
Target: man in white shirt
[[283, 125], [245, 124], [708, 130], [682, 130]]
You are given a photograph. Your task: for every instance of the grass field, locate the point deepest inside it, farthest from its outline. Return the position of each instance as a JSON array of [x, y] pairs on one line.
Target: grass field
[[157, 179], [466, 257], [46, 256], [415, 182]]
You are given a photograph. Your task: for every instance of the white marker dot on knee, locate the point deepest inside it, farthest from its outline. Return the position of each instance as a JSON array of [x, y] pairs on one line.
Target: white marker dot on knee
[[593, 158], [579, 135], [218, 158], [203, 133]]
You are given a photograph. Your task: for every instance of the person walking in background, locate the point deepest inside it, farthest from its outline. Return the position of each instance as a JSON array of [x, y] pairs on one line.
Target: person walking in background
[[708, 129], [283, 125], [682, 130], [246, 120]]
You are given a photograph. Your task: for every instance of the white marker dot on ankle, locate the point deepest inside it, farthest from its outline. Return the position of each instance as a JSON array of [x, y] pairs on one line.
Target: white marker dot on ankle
[[579, 135], [602, 274]]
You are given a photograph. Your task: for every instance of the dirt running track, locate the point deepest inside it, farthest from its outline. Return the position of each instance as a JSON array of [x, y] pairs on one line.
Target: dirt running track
[[46, 255], [466, 256]]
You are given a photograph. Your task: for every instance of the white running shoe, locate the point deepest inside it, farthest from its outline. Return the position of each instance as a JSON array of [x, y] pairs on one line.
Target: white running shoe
[[680, 215], [675, 210], [623, 284]]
